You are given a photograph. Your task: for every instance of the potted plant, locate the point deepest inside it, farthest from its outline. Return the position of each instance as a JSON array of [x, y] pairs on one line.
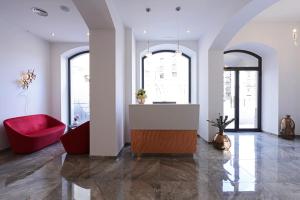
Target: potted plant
[[221, 141], [141, 96]]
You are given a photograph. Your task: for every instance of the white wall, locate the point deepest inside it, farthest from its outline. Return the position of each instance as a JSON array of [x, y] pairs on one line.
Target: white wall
[[103, 135], [20, 51], [120, 86], [107, 73], [130, 81], [270, 91], [277, 36], [59, 53]]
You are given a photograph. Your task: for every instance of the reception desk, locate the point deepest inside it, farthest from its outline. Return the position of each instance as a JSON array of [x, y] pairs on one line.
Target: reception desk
[[164, 128]]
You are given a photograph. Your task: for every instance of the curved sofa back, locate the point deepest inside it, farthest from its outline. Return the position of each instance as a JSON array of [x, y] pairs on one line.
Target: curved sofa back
[[31, 123]]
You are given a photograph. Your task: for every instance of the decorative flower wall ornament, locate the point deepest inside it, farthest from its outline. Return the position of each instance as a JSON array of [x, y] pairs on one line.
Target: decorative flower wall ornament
[[27, 78]]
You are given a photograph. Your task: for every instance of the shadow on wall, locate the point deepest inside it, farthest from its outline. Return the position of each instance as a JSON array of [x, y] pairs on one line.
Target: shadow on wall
[[3, 137], [270, 83]]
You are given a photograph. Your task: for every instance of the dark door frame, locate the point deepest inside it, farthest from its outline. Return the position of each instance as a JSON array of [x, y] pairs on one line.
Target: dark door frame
[[171, 51], [69, 82], [237, 69]]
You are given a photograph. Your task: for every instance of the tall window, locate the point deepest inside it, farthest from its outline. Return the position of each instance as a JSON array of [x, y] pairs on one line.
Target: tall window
[[79, 87], [166, 77], [242, 89]]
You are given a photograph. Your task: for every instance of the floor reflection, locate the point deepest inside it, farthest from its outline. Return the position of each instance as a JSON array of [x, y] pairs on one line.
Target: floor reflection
[[241, 169], [258, 166], [80, 193]]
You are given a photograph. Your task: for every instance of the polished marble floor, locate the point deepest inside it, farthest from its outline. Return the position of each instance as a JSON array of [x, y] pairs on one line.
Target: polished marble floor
[[258, 166]]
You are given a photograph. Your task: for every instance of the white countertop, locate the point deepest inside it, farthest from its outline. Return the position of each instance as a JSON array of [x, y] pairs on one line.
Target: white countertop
[[164, 116]]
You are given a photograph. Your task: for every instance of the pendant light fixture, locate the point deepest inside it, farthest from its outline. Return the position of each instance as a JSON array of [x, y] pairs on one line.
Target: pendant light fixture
[[148, 53], [295, 36], [178, 52]]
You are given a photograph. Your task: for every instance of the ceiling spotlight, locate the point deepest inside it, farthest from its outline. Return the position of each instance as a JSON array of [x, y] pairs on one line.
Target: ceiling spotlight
[[39, 12], [52, 34], [188, 31], [295, 37], [64, 8], [145, 32]]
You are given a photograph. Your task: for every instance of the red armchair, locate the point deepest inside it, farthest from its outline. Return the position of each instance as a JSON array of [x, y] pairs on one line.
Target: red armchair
[[31, 133], [77, 141]]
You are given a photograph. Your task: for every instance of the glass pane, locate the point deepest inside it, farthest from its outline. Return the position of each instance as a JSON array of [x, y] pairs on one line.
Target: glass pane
[[166, 78], [80, 88], [229, 96], [237, 59], [248, 99]]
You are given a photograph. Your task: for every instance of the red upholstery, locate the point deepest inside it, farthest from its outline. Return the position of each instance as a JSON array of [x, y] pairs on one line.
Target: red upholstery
[[31, 133], [77, 141]]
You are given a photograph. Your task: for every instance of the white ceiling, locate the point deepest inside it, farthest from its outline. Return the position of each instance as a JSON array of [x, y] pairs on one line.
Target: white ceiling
[[198, 16], [67, 26], [283, 11]]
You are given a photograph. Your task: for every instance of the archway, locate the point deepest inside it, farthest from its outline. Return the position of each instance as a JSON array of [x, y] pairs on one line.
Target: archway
[[63, 103], [270, 83], [211, 60]]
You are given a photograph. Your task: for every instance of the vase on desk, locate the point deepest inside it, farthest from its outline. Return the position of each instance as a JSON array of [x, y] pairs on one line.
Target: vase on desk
[[141, 100]]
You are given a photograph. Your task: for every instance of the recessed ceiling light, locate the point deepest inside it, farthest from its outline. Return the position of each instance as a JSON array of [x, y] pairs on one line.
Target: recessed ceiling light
[[145, 32], [52, 34], [188, 31], [64, 8], [39, 12]]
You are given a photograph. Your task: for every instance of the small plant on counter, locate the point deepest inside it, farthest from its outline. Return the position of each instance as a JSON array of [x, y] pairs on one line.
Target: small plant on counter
[[141, 96]]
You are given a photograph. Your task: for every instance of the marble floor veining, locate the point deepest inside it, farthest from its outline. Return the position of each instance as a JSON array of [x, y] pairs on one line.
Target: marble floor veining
[[258, 166]]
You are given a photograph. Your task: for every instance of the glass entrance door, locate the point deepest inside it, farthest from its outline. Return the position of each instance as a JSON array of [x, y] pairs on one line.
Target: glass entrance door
[[242, 90], [229, 96], [248, 105]]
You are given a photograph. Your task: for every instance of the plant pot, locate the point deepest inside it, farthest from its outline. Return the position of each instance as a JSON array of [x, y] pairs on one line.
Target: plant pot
[[221, 142], [141, 101]]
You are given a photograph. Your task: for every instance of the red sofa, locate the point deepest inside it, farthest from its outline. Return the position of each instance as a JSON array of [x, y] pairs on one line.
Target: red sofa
[[77, 141], [31, 133]]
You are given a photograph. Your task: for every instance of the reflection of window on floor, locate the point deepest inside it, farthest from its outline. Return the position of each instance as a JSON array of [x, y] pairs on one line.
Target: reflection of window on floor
[[79, 76], [166, 77], [80, 193], [240, 171]]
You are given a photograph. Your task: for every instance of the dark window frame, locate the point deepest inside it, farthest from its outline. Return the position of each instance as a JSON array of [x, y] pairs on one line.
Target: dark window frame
[[237, 69], [171, 51], [69, 82]]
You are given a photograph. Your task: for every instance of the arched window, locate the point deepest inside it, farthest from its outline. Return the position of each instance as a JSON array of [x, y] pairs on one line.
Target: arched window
[[166, 77], [79, 87], [242, 89]]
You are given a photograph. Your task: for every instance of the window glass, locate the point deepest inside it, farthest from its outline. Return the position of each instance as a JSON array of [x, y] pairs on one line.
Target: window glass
[[79, 88], [166, 78]]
